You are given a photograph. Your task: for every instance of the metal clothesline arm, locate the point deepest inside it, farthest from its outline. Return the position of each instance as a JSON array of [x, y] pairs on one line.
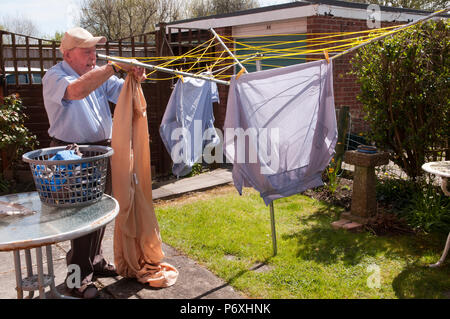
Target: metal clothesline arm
[[161, 69], [391, 32], [228, 50], [257, 55]]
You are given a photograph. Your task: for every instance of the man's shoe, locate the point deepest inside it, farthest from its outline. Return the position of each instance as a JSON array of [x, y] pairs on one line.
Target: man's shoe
[[86, 292], [108, 271]]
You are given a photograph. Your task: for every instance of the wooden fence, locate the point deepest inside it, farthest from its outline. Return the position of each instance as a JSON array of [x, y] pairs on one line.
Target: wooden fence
[[25, 55]]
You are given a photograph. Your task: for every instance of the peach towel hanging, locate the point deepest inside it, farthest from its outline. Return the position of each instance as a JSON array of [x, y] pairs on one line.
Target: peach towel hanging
[[137, 241]]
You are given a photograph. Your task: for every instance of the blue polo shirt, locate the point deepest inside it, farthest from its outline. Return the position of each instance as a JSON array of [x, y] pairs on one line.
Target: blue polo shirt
[[79, 121]]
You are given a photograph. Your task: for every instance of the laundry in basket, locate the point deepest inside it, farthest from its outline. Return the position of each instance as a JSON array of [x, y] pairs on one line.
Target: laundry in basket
[[64, 178]]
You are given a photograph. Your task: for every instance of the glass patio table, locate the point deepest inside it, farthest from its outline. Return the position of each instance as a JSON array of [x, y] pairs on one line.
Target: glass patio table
[[441, 169], [41, 226]]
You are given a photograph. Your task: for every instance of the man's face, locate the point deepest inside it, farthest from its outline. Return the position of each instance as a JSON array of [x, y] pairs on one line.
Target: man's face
[[82, 60]]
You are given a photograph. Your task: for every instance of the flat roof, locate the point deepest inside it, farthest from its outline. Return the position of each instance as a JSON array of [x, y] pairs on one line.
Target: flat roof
[[357, 5], [404, 14]]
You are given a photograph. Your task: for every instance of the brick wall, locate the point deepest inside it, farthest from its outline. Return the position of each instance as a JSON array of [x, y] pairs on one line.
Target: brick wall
[[345, 87]]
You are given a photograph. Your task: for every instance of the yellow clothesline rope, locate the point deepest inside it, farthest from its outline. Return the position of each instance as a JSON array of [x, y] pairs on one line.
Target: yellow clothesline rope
[[196, 52], [207, 55], [201, 52]]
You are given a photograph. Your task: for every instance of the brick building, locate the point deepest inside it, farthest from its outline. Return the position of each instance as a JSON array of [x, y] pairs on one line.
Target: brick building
[[297, 20]]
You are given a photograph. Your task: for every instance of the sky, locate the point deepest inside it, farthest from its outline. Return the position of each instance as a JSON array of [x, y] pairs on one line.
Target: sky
[[50, 16]]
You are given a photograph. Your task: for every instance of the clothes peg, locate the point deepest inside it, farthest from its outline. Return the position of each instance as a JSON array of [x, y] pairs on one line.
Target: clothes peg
[[240, 73], [180, 76], [327, 57]]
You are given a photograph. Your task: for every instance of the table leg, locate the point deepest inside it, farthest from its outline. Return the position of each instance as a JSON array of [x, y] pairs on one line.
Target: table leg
[[53, 289], [444, 254], [18, 274], [29, 270], [48, 250], [40, 281], [444, 186], [40, 269]]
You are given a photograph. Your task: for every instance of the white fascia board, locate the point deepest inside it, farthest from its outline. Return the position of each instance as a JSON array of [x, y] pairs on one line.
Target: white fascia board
[[361, 14], [253, 18], [294, 13]]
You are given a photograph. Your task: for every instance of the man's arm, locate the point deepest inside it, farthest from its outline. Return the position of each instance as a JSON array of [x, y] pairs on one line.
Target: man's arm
[[85, 84]]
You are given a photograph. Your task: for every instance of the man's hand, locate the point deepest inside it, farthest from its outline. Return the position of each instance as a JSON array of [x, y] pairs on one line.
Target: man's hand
[[138, 72]]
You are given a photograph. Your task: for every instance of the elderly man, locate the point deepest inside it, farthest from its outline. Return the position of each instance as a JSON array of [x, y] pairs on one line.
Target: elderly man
[[76, 95]]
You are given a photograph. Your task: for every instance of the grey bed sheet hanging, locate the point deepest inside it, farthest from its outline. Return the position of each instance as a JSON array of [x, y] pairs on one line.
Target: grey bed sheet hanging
[[287, 117]]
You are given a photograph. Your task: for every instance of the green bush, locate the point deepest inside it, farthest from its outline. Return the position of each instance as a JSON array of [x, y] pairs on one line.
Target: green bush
[[404, 81], [4, 185], [396, 192], [15, 138], [429, 210], [422, 205]]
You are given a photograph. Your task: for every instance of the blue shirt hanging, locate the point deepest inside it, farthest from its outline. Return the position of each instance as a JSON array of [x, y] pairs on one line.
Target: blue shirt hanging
[[187, 120]]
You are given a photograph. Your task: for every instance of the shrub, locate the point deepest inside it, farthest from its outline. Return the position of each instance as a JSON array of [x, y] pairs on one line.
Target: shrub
[[4, 185], [15, 138], [421, 204], [396, 192], [404, 83], [429, 210]]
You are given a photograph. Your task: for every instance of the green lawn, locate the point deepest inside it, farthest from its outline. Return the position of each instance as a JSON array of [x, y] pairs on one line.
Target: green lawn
[[231, 236]]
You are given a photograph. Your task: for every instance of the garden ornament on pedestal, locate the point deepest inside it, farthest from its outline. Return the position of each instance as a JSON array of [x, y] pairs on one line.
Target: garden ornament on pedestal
[[364, 204]]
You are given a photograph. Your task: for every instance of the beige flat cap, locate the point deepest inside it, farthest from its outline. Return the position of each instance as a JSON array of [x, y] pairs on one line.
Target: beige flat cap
[[79, 38]]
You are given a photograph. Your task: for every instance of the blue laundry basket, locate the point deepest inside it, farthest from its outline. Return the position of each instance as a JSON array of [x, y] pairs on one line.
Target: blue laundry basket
[[69, 183]]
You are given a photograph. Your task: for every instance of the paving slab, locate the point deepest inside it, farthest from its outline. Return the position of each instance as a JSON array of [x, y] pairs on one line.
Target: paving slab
[[194, 280], [196, 183]]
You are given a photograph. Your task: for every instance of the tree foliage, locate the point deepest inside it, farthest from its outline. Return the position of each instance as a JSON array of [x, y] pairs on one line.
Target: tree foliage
[[431, 5], [202, 8], [405, 93], [117, 19]]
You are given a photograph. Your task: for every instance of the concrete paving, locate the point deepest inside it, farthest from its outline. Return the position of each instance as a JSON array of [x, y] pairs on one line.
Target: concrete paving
[[194, 281], [197, 183]]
